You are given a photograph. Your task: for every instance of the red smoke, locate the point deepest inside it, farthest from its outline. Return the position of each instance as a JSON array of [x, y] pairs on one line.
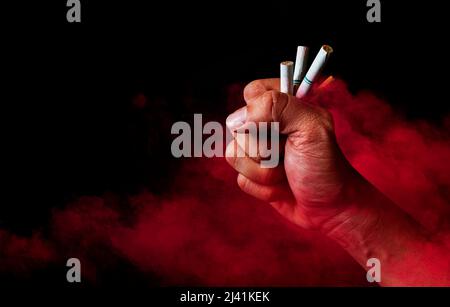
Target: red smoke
[[205, 231], [23, 254], [405, 160]]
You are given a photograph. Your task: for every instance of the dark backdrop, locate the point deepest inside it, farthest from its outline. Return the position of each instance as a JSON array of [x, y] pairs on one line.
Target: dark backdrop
[[70, 91]]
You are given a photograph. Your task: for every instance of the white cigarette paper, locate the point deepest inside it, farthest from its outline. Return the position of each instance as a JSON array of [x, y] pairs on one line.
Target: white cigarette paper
[[300, 65], [313, 71], [286, 77]]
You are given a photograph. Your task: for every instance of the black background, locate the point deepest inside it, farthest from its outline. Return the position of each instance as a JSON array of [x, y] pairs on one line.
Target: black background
[[68, 124]]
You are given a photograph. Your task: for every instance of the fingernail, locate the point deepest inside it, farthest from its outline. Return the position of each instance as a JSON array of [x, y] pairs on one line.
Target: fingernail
[[237, 119]]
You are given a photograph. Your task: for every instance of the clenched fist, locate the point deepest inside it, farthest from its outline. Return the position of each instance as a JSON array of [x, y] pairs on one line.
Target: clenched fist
[[310, 185]]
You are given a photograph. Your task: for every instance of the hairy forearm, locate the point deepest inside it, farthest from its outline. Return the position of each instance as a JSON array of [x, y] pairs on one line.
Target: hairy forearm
[[374, 227]]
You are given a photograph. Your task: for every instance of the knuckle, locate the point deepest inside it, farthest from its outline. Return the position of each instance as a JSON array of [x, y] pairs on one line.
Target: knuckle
[[253, 89], [260, 109], [267, 98], [242, 182], [320, 132], [273, 95], [283, 106], [317, 129], [320, 123]]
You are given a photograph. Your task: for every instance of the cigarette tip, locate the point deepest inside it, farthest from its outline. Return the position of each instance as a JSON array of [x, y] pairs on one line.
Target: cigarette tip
[[328, 49], [287, 63]]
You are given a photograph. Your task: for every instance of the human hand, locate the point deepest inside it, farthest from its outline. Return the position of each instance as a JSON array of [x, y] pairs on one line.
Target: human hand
[[310, 186]]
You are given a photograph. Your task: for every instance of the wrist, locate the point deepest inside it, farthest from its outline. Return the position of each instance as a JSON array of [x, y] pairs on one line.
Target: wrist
[[371, 226], [360, 214]]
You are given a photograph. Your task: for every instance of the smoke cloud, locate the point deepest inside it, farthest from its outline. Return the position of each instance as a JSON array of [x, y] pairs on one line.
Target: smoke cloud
[[204, 231]]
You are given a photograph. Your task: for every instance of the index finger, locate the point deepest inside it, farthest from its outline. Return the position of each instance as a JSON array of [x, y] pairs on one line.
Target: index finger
[[256, 88]]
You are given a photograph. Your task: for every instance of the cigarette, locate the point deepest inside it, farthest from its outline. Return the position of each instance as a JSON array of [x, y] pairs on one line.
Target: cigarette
[[300, 65], [325, 83], [286, 77], [314, 70]]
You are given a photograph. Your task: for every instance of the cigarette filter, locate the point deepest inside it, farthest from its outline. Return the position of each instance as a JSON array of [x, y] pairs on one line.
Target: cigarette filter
[[300, 65], [313, 71], [286, 77]]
